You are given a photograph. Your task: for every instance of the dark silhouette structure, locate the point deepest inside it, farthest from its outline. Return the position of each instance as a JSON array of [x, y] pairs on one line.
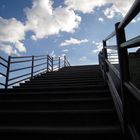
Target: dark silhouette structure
[[59, 101], [72, 103]]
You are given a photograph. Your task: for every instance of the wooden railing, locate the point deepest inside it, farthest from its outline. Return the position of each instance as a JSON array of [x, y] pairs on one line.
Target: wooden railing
[[125, 94], [19, 69]]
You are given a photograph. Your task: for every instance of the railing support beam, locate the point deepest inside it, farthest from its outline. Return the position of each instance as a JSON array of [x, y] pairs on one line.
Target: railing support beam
[[59, 62], [124, 73], [32, 68], [52, 63], [7, 73]]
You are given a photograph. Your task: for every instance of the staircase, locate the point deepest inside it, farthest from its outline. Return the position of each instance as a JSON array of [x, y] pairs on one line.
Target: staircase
[[69, 104]]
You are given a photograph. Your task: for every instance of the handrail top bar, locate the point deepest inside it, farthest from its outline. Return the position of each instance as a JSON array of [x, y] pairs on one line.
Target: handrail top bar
[[14, 57], [110, 36], [134, 10]]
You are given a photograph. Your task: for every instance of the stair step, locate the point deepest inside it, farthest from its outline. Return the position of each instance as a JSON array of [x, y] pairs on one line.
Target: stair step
[[57, 79], [56, 104], [64, 81], [60, 84], [74, 74], [58, 100], [70, 76], [65, 94], [69, 104], [58, 118], [68, 87], [62, 130]]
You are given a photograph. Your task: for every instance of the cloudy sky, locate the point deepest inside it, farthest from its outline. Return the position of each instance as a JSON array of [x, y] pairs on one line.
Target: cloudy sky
[[74, 28]]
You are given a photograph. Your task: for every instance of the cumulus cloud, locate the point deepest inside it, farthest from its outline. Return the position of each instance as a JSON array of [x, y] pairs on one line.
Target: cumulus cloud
[[43, 20], [101, 19], [98, 46], [73, 41], [12, 32], [110, 12], [8, 49], [85, 6], [88, 6]]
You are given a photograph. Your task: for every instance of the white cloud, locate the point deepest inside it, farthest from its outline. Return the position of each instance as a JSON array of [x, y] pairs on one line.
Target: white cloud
[[122, 6], [101, 19], [83, 58], [20, 46], [73, 41], [8, 49], [110, 12], [88, 6], [135, 20], [85, 6], [98, 46], [65, 50], [52, 54], [12, 32], [44, 21]]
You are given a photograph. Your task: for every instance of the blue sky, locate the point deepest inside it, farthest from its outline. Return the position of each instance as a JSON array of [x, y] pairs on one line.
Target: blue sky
[[74, 28]]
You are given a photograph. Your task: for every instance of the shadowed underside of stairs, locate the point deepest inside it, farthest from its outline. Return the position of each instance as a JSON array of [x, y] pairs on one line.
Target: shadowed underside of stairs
[[72, 103]]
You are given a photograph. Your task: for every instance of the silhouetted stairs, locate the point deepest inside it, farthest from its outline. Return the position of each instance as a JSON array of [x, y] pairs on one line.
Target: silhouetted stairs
[[73, 103]]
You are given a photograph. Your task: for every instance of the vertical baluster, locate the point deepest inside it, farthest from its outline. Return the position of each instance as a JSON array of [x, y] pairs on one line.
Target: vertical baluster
[[8, 72], [32, 67], [59, 62], [105, 55], [52, 63], [64, 61], [47, 63]]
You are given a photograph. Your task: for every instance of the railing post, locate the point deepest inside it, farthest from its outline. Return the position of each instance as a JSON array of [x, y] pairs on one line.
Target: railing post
[[7, 73], [32, 68], [124, 72], [64, 61], [52, 63], [105, 67], [59, 62], [105, 55], [47, 63]]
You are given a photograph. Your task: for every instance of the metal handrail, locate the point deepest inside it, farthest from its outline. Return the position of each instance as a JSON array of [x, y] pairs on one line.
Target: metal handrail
[[133, 12], [118, 78], [31, 66], [110, 36]]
